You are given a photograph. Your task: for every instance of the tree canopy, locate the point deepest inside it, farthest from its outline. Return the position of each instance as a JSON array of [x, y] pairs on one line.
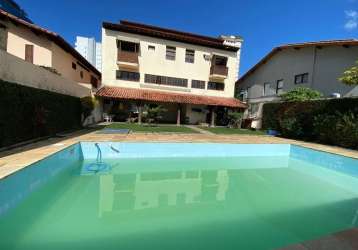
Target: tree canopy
[[350, 76], [301, 94]]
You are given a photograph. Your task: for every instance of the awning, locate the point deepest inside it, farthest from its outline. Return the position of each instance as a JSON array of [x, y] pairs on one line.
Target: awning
[[167, 97]]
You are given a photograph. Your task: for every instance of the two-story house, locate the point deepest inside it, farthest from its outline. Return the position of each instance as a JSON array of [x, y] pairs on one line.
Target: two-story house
[[45, 48], [316, 65], [192, 76]]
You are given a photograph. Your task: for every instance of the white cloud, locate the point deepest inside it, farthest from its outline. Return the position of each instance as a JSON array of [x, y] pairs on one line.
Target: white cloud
[[352, 20]]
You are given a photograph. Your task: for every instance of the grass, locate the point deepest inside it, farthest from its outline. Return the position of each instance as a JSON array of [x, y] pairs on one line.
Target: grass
[[228, 131], [134, 127]]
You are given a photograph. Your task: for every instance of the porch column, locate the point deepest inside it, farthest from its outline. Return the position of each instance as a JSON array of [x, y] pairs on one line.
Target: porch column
[[139, 106], [178, 115], [212, 122]]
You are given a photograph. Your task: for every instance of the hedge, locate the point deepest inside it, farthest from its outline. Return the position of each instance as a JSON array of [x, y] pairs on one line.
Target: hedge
[[329, 121], [28, 113]]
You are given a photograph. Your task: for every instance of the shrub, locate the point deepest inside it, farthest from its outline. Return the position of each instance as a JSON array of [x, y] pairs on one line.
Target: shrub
[[331, 121], [235, 119], [300, 94], [154, 114], [27, 113], [350, 76], [88, 104]]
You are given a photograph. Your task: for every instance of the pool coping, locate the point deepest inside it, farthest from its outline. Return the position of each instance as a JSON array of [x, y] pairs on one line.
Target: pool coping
[[16, 159]]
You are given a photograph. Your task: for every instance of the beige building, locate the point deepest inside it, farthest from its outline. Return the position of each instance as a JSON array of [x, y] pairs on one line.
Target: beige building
[[316, 65], [45, 48], [192, 76]]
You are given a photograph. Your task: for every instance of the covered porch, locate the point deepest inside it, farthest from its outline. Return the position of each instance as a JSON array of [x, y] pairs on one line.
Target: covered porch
[[128, 104]]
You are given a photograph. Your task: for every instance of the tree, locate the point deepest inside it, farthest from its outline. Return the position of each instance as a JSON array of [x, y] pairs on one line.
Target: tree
[[301, 94], [88, 104], [154, 114], [235, 119], [350, 76]]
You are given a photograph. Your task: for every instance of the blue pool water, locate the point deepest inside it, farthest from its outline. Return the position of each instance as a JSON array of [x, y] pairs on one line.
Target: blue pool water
[[178, 196]]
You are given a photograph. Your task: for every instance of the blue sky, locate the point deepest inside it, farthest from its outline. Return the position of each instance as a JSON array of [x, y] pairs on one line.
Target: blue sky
[[263, 24]]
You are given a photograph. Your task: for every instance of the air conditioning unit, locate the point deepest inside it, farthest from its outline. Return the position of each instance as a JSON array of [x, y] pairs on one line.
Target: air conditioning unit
[[336, 95]]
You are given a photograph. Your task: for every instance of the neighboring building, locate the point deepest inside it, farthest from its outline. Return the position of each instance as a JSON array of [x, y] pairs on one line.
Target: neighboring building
[[13, 8], [99, 56], [192, 76], [45, 48], [90, 49], [316, 65]]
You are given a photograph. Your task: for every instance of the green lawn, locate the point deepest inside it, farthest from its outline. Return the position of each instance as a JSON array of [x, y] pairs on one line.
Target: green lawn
[[134, 127], [223, 130]]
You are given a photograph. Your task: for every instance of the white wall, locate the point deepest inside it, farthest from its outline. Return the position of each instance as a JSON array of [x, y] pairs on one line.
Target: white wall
[[16, 70], [154, 62], [18, 36], [324, 66]]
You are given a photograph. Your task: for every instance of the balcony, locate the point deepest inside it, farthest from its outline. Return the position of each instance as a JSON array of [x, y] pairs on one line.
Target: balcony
[[218, 72], [128, 60]]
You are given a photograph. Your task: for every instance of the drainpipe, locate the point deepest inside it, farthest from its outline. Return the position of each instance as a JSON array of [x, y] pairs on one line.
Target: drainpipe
[[314, 66]]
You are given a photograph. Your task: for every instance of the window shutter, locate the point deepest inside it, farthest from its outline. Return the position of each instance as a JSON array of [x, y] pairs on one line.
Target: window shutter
[[29, 53]]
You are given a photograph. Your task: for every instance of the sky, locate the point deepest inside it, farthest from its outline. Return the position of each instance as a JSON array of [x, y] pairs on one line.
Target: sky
[[262, 24]]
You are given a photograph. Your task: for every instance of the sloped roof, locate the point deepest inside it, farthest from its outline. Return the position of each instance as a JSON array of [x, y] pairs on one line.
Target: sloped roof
[[168, 34], [168, 97], [52, 36], [348, 42]]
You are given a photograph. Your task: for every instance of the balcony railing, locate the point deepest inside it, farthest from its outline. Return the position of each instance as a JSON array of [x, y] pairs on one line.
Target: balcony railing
[[219, 70], [127, 57]]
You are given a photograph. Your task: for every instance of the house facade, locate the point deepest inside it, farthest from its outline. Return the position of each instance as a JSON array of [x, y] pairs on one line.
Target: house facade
[[45, 48], [190, 75], [316, 65]]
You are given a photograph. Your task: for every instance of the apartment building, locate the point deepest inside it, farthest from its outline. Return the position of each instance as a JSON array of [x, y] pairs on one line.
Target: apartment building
[[45, 48], [316, 65], [192, 76], [90, 49]]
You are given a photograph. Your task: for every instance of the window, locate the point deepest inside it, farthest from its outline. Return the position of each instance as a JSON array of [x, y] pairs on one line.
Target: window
[[189, 56], [301, 78], [243, 95], [128, 46], [151, 47], [269, 90], [74, 65], [29, 53], [127, 75], [196, 84], [3, 37], [170, 53], [279, 87], [248, 92], [220, 60], [253, 109], [81, 74], [94, 82], [165, 80], [216, 85]]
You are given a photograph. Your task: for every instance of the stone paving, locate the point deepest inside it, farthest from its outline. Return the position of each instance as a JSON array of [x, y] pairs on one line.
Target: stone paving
[[18, 158]]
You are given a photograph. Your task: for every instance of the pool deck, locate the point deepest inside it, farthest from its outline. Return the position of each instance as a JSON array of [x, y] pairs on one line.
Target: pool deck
[[345, 240], [18, 158]]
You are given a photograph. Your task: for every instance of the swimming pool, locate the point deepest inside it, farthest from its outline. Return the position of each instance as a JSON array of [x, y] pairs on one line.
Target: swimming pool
[[178, 196]]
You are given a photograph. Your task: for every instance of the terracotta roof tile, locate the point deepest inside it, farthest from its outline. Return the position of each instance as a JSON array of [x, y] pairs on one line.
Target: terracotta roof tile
[[168, 34], [168, 97]]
